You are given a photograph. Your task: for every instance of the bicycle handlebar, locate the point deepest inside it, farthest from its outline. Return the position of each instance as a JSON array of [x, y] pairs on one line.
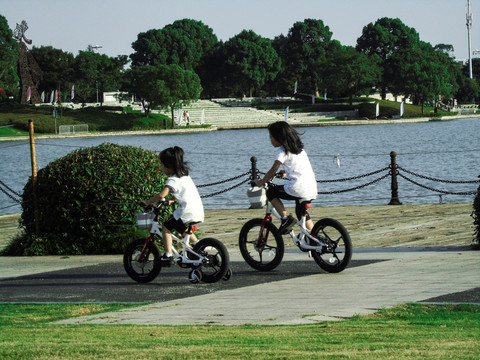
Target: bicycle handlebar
[[278, 175]]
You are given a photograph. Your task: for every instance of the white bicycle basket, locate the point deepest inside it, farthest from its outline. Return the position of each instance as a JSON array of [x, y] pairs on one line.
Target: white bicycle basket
[[145, 220], [257, 197]]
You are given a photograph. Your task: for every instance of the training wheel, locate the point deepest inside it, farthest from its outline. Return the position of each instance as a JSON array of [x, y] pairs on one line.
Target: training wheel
[[195, 276], [228, 274]]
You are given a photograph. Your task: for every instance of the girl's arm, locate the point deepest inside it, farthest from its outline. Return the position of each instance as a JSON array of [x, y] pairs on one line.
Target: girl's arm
[[161, 195], [270, 174]]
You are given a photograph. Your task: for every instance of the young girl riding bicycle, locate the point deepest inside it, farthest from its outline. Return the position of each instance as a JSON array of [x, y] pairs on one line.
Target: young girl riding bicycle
[[297, 168], [181, 186]]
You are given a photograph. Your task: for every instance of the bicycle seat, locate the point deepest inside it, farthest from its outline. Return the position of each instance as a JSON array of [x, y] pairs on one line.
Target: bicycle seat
[[305, 202], [191, 226]]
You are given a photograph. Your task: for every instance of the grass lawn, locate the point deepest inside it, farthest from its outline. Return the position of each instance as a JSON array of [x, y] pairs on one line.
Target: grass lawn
[[410, 331]]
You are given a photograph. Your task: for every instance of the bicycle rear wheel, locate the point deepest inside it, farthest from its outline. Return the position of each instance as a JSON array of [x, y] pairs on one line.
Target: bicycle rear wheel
[[261, 246], [337, 251], [142, 270], [218, 259]]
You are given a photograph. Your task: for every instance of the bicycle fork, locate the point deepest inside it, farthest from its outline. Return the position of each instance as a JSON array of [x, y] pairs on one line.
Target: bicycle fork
[[144, 253], [263, 237]]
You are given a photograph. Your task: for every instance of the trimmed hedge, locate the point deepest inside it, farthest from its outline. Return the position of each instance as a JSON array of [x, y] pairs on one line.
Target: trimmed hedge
[[87, 201], [476, 218]]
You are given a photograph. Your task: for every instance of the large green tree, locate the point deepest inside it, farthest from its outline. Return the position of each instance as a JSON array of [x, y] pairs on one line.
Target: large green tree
[[57, 68], [163, 86], [9, 51], [349, 72], [251, 61], [303, 54], [96, 73], [384, 38], [183, 43], [425, 74]]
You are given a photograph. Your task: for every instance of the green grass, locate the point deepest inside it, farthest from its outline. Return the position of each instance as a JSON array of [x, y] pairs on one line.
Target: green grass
[[410, 331], [6, 131]]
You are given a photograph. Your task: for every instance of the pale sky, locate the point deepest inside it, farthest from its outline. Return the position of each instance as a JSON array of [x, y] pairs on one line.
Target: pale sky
[[114, 24]]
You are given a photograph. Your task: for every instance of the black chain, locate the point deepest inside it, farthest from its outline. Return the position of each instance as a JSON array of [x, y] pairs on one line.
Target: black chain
[[8, 188], [436, 190], [355, 177], [356, 187], [439, 180], [10, 196], [224, 181], [225, 190], [11, 190]]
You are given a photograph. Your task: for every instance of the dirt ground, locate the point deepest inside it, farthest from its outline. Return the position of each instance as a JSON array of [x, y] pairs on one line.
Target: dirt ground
[[369, 225]]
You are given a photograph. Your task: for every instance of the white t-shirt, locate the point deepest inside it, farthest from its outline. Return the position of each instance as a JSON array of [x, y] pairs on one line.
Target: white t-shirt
[[302, 182], [190, 207]]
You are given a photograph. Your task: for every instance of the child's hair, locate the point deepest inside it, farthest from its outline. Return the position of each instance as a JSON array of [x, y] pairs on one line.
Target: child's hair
[[287, 136], [173, 159]]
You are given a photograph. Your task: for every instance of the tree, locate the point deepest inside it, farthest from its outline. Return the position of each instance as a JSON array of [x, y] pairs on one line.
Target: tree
[[425, 74], [97, 73], [303, 52], [164, 86], [349, 72], [251, 61], [57, 68], [384, 38], [9, 51], [183, 43]]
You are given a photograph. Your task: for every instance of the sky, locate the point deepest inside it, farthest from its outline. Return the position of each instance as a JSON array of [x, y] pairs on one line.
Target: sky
[[72, 25]]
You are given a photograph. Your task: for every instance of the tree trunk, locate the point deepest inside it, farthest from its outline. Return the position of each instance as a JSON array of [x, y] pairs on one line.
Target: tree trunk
[[173, 119]]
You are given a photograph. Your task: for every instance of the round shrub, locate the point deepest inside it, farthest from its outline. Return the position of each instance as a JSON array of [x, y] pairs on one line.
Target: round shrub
[[88, 200], [476, 218]]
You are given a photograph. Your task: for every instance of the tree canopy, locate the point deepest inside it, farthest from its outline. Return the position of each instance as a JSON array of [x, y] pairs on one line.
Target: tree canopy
[[9, 51], [385, 38], [182, 43], [251, 61], [248, 64]]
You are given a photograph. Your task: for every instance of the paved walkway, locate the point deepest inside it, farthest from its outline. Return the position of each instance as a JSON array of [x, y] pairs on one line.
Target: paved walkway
[[405, 275]]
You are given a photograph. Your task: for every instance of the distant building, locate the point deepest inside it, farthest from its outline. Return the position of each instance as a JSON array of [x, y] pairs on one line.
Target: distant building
[[117, 97]]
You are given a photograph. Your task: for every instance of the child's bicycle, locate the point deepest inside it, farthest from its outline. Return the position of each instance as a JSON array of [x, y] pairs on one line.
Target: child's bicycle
[[262, 246], [208, 258]]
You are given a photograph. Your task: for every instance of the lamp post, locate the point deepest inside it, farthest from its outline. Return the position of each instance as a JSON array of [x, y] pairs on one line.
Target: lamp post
[[92, 48], [469, 26]]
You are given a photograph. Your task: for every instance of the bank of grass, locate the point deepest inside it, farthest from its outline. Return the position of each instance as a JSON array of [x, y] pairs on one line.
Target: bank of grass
[[14, 119], [409, 331]]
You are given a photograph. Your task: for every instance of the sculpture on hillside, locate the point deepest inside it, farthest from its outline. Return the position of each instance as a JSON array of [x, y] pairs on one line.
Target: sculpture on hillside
[[28, 70]]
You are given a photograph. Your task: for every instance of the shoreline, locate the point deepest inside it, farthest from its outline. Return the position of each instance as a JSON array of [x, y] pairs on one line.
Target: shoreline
[[187, 130]]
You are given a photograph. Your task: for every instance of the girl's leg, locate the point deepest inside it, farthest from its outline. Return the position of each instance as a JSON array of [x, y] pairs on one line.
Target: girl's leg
[[278, 205], [167, 241]]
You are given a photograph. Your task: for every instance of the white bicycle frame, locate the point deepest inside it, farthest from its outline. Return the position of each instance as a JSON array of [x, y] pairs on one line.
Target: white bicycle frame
[[300, 241], [186, 247]]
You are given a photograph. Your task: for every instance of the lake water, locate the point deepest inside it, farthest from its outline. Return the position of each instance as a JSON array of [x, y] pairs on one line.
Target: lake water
[[446, 150]]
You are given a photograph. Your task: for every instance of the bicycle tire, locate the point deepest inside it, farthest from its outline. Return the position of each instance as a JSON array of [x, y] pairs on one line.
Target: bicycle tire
[[218, 259], [336, 254], [142, 271], [253, 254]]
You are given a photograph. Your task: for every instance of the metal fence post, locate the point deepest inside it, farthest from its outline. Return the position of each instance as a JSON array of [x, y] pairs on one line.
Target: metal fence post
[[394, 185], [254, 174]]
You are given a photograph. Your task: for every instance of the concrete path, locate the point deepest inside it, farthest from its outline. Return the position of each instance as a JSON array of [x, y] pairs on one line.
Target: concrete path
[[405, 275]]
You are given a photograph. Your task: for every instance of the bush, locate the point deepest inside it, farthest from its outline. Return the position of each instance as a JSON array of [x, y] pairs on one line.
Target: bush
[[476, 218], [87, 201]]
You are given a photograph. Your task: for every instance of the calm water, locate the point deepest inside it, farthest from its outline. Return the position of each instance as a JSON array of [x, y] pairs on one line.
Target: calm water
[[448, 150]]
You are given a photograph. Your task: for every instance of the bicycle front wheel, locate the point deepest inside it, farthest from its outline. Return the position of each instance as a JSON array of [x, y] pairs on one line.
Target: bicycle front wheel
[[337, 251], [142, 270], [261, 246], [217, 259]]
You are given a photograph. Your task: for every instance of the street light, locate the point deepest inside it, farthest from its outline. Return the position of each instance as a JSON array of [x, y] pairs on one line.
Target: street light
[[91, 48]]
